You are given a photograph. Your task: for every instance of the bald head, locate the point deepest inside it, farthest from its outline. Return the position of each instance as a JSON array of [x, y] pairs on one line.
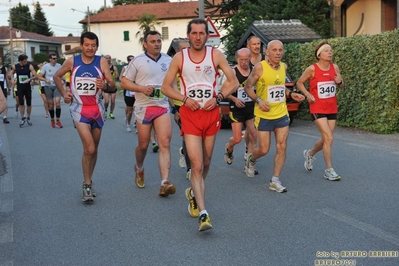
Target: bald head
[[243, 52], [182, 45], [275, 51], [274, 43], [243, 57]]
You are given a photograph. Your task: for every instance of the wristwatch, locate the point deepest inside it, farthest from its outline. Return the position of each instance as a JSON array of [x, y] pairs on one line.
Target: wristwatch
[[258, 100], [218, 99]]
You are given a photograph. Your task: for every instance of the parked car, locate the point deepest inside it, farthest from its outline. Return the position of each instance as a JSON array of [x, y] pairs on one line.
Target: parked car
[[292, 105]]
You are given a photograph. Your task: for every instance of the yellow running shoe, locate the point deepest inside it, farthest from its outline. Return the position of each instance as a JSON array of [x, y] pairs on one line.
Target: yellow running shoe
[[192, 206], [205, 222], [139, 179], [166, 189]]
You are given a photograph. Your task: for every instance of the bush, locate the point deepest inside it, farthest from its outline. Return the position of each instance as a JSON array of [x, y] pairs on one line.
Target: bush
[[369, 66], [40, 58]]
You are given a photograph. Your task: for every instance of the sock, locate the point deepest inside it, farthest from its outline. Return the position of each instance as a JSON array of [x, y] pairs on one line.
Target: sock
[[203, 212], [192, 193], [58, 113], [4, 117], [275, 179], [51, 113], [163, 182], [140, 168]]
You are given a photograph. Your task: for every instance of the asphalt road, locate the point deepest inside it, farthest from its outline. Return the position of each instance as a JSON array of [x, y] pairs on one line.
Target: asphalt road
[[44, 222]]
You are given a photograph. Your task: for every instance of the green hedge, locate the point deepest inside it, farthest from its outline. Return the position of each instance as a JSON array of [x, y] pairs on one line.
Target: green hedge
[[369, 65]]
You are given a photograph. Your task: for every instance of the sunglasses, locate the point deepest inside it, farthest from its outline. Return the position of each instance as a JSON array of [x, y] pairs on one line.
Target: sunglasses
[[53, 58]]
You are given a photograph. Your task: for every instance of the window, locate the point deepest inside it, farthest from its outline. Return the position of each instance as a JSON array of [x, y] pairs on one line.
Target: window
[[165, 33], [126, 36], [32, 51], [67, 47]]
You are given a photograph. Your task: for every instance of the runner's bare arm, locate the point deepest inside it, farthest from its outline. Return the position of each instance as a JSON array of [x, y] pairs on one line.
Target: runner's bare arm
[[102, 85]]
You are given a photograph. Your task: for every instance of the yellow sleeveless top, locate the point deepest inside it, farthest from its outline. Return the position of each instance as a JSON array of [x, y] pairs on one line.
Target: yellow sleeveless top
[[176, 102], [271, 89]]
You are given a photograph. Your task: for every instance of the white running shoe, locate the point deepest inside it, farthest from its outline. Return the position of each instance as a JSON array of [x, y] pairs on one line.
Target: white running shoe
[[249, 166], [331, 175], [308, 160], [276, 186], [182, 160]]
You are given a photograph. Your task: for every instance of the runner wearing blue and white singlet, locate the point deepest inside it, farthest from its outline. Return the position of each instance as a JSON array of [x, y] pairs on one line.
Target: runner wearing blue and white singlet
[[87, 105], [89, 76]]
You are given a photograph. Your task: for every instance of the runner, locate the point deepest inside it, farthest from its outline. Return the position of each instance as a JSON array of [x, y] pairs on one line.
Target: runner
[[324, 78], [25, 75], [184, 161], [52, 94], [145, 75], [198, 68], [128, 97], [109, 96], [241, 108], [90, 75], [41, 91], [5, 87], [271, 114]]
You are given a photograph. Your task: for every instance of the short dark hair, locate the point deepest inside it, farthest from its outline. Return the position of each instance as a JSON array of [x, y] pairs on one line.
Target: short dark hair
[[89, 35], [51, 55], [130, 57], [22, 57], [197, 21], [151, 32]]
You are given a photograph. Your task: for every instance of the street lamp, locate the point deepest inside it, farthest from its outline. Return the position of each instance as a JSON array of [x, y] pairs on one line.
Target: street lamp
[[87, 13]]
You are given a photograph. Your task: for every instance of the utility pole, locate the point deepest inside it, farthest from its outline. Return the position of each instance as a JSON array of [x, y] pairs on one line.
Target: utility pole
[[201, 9], [88, 18], [11, 42]]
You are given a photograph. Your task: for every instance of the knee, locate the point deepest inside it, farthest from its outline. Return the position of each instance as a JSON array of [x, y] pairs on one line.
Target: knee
[[237, 140], [90, 150], [281, 147], [328, 139]]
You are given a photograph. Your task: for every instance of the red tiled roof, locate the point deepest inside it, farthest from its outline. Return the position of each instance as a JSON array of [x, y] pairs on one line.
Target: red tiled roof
[[124, 13], [67, 38], [25, 35], [74, 50]]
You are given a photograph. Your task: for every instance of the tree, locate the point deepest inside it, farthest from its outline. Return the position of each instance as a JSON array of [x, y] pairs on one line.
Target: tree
[[129, 2], [240, 22], [22, 18], [41, 25], [147, 22], [237, 15]]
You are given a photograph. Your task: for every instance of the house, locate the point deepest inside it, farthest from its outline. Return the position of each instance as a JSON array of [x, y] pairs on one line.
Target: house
[[28, 43], [286, 31], [353, 17], [70, 45], [117, 27]]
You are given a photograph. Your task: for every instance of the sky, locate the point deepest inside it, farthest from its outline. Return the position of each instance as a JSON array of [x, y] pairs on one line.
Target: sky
[[61, 19]]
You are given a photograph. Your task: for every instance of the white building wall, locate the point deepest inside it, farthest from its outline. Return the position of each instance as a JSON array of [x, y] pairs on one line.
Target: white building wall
[[111, 37]]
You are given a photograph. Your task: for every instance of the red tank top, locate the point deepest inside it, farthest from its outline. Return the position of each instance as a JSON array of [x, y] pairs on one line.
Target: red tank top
[[323, 89]]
